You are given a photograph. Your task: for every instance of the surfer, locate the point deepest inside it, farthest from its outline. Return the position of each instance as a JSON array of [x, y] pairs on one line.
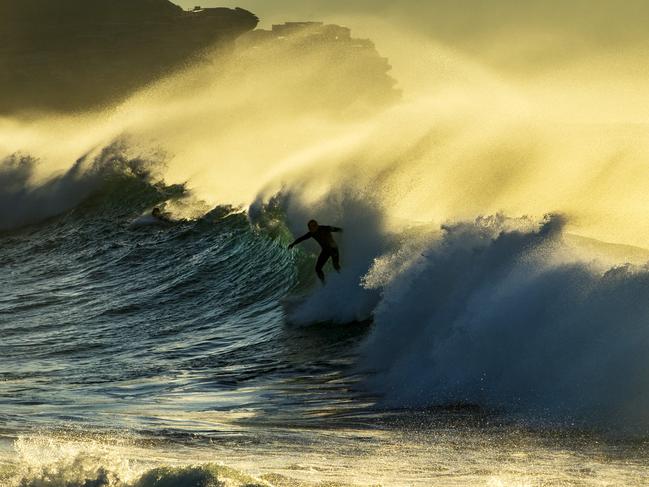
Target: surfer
[[157, 214], [322, 235]]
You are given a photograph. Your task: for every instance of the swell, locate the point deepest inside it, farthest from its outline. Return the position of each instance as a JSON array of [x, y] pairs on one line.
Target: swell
[[88, 285]]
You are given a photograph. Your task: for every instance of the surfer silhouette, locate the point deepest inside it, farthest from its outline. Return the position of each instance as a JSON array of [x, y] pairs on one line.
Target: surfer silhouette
[[322, 235], [157, 213]]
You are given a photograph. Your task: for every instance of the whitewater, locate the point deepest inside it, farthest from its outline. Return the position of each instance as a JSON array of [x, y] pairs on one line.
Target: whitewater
[[490, 325]]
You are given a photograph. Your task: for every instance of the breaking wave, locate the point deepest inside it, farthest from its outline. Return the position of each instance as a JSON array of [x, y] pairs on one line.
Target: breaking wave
[[53, 462], [507, 313]]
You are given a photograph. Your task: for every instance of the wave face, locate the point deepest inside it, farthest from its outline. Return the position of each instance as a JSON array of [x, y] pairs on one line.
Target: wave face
[[101, 304]]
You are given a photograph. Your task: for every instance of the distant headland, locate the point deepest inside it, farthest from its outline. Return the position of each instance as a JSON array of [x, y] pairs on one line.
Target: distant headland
[[75, 55], [67, 55]]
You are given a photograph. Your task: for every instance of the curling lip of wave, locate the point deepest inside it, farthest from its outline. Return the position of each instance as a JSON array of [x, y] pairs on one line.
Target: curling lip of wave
[[23, 202]]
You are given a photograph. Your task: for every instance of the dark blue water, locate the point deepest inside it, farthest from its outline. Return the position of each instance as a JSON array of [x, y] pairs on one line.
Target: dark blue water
[[104, 315]]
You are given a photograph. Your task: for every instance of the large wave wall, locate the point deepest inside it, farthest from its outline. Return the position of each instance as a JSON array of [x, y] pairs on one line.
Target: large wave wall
[[500, 311]]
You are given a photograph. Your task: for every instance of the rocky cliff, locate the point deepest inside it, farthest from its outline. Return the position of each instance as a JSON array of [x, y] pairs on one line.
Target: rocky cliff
[[69, 55]]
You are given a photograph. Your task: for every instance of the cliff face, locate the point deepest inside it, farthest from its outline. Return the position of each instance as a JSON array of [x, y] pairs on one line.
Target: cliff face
[[67, 55]]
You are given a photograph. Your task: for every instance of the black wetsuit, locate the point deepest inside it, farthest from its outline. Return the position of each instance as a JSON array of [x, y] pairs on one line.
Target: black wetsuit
[[329, 247]]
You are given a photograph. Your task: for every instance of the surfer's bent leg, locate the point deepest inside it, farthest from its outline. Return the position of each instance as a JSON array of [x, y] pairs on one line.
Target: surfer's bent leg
[[335, 259], [322, 260]]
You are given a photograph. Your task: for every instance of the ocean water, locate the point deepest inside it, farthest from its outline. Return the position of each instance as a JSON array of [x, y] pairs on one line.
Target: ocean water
[[137, 353]]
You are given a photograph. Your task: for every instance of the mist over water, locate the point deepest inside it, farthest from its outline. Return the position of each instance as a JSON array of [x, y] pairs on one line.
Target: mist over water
[[493, 260], [464, 140]]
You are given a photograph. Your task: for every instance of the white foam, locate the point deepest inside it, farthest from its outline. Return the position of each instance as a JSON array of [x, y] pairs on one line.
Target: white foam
[[511, 319]]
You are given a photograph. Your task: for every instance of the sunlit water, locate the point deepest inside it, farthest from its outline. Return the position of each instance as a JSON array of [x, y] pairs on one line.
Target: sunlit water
[[127, 348]]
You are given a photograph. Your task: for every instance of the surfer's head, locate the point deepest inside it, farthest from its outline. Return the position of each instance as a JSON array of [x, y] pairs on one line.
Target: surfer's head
[[313, 225], [155, 212]]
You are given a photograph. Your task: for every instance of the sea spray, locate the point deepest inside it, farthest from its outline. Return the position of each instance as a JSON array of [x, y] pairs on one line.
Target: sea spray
[[512, 319], [261, 120]]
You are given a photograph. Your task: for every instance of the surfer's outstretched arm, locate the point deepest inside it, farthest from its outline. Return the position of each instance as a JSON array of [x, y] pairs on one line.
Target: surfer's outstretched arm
[[304, 237]]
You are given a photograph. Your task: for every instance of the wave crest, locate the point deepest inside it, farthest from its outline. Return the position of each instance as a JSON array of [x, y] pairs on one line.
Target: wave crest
[[54, 462], [111, 177]]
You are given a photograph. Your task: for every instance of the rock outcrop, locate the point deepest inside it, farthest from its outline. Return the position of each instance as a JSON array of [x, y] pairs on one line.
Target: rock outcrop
[[70, 55]]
